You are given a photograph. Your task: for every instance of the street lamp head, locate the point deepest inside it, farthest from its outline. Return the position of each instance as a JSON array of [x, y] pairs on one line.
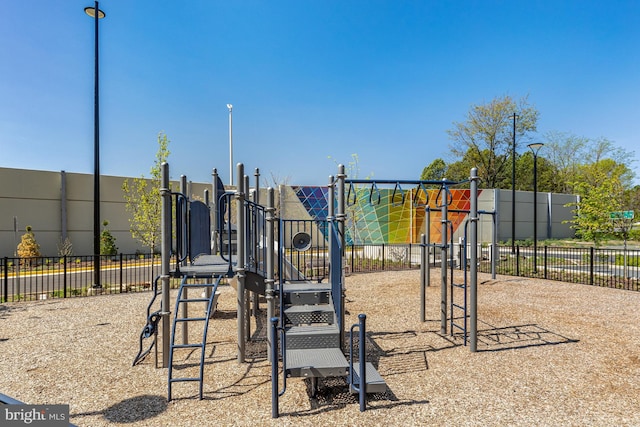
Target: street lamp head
[[230, 107], [91, 11], [535, 147]]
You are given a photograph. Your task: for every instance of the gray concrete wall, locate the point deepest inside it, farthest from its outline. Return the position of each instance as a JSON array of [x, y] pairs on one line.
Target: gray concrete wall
[[35, 198], [552, 212]]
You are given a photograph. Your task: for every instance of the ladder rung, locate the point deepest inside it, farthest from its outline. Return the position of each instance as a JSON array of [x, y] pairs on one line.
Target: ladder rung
[[198, 285], [190, 319], [186, 346], [175, 380], [194, 300]]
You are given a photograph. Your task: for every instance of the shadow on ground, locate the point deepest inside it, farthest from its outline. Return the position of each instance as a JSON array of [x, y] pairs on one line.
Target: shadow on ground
[[131, 410]]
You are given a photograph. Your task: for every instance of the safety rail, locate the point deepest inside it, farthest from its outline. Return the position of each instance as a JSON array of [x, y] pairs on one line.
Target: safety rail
[[225, 226], [310, 263], [256, 247]]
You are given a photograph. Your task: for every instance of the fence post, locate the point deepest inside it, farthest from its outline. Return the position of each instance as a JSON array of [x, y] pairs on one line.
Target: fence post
[[383, 256], [6, 279], [517, 260], [352, 258], [591, 264], [120, 272], [545, 261], [64, 276]]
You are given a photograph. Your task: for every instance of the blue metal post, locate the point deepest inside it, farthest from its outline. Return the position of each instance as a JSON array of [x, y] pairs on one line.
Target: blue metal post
[[274, 368], [362, 351], [474, 261]]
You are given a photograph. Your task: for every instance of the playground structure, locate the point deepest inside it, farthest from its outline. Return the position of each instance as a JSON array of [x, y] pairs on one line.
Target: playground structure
[[210, 242]]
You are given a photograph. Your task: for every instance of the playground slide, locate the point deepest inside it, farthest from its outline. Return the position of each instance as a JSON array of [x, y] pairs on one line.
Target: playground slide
[[291, 273], [254, 281]]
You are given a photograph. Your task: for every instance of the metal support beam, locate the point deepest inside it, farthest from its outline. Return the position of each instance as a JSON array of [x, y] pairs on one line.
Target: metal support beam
[[473, 272], [240, 270], [165, 260]]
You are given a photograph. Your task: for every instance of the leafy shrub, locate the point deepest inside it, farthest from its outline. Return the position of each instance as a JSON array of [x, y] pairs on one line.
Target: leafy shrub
[[65, 248], [28, 246], [107, 241]]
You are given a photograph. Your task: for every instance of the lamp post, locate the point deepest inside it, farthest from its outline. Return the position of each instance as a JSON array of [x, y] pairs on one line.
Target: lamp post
[[513, 187], [230, 107], [97, 14], [535, 147]]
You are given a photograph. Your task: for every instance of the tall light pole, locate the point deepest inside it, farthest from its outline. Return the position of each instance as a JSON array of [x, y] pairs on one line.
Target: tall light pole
[[230, 107], [535, 147], [97, 14], [513, 187]]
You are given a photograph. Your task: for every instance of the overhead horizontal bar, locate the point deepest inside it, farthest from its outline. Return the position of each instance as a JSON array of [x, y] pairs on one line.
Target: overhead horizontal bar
[[395, 181]]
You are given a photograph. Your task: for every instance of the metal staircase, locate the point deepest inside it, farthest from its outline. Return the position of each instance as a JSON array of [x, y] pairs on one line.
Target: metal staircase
[[200, 312], [312, 337]]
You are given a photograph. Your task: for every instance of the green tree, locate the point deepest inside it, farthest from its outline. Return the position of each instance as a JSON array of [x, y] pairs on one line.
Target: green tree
[[488, 134], [601, 192], [460, 170], [632, 199], [107, 241], [435, 171], [524, 173], [566, 152], [143, 200], [569, 153]]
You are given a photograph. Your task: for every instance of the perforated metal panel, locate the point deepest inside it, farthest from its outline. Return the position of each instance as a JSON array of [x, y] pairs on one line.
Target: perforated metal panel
[[317, 337], [309, 314]]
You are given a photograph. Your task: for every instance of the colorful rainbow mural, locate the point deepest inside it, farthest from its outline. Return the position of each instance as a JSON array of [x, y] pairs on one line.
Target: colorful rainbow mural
[[385, 216]]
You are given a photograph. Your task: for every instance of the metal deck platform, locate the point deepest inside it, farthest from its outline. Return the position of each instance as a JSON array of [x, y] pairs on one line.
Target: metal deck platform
[[208, 266]]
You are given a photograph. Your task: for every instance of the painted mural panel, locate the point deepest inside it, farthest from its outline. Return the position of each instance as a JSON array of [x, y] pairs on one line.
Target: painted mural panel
[[388, 215]]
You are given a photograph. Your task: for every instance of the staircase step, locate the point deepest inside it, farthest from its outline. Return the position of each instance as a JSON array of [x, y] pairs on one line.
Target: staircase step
[[313, 336], [375, 383], [307, 293], [308, 314], [316, 362]]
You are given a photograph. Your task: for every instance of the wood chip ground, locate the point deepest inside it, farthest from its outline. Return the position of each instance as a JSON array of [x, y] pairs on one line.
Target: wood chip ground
[[549, 354]]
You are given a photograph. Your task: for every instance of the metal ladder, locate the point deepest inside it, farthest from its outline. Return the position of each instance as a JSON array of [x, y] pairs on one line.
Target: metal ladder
[[457, 307], [182, 301]]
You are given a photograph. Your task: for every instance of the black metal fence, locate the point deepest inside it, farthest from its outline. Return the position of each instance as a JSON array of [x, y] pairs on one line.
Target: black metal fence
[[72, 276], [40, 278], [372, 258], [613, 268]]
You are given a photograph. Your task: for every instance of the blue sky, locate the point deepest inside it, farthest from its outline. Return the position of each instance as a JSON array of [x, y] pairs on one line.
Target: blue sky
[[308, 79]]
